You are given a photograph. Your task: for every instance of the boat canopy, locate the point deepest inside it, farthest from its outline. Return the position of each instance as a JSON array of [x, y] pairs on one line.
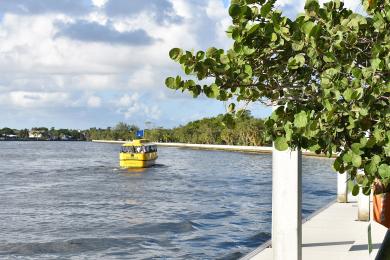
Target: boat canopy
[[139, 146], [139, 142]]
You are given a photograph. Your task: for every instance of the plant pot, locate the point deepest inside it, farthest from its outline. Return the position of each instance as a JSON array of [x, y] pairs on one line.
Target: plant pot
[[382, 208], [382, 216]]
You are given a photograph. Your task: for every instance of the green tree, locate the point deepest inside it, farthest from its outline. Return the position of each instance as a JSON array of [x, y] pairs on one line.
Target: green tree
[[328, 71], [7, 131], [24, 134], [54, 134]]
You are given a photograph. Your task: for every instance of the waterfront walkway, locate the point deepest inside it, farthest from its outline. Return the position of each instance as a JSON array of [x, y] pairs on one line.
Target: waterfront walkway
[[335, 234], [254, 149], [232, 148]]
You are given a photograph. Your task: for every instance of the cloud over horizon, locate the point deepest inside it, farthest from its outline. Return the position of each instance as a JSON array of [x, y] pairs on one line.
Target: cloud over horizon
[[88, 63], [87, 31], [33, 7]]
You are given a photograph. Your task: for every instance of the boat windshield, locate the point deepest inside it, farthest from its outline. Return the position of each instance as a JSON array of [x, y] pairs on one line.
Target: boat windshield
[[127, 149], [139, 149]]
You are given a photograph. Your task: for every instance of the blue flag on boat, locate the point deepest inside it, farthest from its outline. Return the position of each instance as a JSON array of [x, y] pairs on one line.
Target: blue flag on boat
[[139, 134]]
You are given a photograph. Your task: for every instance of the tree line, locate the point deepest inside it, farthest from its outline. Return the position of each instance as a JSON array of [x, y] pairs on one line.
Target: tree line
[[42, 133], [244, 130]]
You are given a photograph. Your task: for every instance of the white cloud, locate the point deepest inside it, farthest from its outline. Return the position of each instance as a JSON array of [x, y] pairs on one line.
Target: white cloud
[[143, 78], [132, 106], [94, 81], [94, 101], [25, 99], [292, 7], [218, 13], [99, 3], [42, 70]]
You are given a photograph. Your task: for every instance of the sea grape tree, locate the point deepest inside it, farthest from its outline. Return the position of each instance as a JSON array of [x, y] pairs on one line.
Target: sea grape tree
[[328, 71]]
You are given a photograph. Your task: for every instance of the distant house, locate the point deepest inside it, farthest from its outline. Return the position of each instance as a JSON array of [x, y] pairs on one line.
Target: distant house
[[34, 134], [64, 137], [5, 137]]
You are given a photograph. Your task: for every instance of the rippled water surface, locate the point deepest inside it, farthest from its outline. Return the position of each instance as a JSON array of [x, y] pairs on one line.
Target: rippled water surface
[[69, 200]]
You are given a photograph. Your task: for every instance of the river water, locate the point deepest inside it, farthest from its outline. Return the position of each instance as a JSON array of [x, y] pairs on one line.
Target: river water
[[69, 200]]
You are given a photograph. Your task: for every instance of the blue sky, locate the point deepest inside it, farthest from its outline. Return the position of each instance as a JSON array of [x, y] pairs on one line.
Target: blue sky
[[87, 63]]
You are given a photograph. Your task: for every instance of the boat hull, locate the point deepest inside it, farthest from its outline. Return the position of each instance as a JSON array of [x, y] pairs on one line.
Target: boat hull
[[129, 160]]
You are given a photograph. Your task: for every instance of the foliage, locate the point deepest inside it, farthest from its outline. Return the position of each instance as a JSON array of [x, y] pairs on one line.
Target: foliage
[[121, 131], [43, 133], [327, 71], [7, 131], [247, 130]]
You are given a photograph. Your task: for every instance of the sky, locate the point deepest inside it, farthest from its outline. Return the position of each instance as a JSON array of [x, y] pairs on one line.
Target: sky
[[94, 63]]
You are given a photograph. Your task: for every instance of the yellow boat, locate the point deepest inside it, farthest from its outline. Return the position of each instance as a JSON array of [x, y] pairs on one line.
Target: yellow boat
[[140, 153]]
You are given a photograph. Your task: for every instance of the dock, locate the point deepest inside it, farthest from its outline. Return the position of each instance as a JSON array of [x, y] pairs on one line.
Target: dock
[[334, 233]]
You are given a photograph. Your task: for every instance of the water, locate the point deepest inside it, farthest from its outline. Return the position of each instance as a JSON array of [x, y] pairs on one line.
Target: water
[[69, 200]]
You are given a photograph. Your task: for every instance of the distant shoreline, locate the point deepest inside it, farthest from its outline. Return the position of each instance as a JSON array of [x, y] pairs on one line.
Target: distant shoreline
[[39, 140]]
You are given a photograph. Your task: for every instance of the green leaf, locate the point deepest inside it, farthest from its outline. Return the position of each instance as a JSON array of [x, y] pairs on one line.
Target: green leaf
[[214, 91], [376, 63], [356, 160], [347, 157], [297, 46], [170, 83], [376, 159], [253, 28], [350, 185], [300, 59], [210, 52], [265, 9], [175, 53], [367, 190], [312, 6], [296, 61], [281, 144], [231, 107], [363, 111], [348, 94], [274, 37], [387, 149], [188, 84], [234, 10], [360, 179], [384, 171], [248, 70], [300, 119], [224, 59], [355, 190], [370, 168], [337, 164], [328, 57], [356, 148], [248, 51], [200, 55], [307, 27]]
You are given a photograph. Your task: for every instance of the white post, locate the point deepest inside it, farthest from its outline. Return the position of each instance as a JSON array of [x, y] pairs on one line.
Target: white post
[[342, 187], [363, 202], [287, 205], [363, 207]]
